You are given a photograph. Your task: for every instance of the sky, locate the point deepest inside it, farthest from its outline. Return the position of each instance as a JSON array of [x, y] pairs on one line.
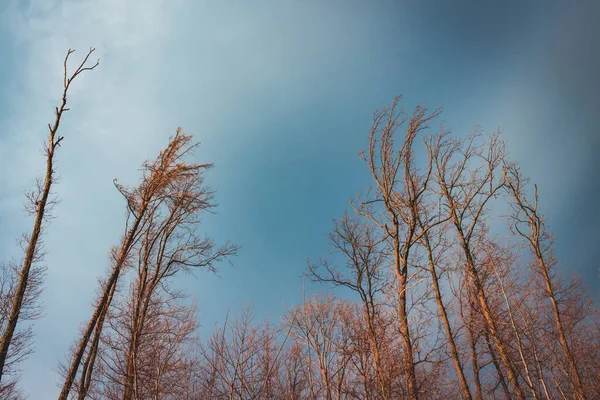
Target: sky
[[281, 95]]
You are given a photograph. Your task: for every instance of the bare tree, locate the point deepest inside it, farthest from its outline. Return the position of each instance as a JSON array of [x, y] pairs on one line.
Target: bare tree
[[161, 362], [467, 174], [243, 360], [316, 324], [435, 243], [500, 261], [365, 262], [40, 205], [468, 317], [21, 345], [528, 223], [169, 245], [168, 183], [292, 377], [400, 188]]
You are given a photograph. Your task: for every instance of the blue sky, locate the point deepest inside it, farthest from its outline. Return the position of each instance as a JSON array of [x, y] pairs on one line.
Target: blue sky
[[281, 95]]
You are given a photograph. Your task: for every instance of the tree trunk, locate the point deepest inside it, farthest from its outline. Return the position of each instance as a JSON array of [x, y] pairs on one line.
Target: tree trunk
[[559, 327], [411, 380], [474, 357], [100, 310], [444, 315], [17, 303], [53, 143], [491, 325]]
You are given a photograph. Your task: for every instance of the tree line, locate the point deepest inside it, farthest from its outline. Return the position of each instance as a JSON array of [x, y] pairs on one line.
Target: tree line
[[439, 305]]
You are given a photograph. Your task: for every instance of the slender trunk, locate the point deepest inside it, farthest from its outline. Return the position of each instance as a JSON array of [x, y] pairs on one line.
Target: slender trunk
[[538, 364], [444, 315], [17, 302], [132, 351], [372, 327], [53, 143], [19, 297], [482, 300], [540, 371], [411, 381], [145, 290], [101, 308], [518, 338], [535, 224], [491, 326], [88, 366], [379, 371], [141, 305], [559, 326], [474, 358], [497, 366], [326, 382]]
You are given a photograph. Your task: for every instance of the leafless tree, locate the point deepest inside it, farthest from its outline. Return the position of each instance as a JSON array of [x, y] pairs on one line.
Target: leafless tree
[[292, 377], [366, 260], [160, 229], [468, 176], [400, 189], [244, 360], [436, 245], [528, 223], [316, 325], [39, 205], [169, 244], [161, 362], [21, 345]]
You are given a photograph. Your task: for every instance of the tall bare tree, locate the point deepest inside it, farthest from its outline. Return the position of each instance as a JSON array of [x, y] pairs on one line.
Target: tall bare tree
[[169, 245], [40, 205], [468, 176], [436, 244], [166, 182], [400, 187], [528, 223]]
